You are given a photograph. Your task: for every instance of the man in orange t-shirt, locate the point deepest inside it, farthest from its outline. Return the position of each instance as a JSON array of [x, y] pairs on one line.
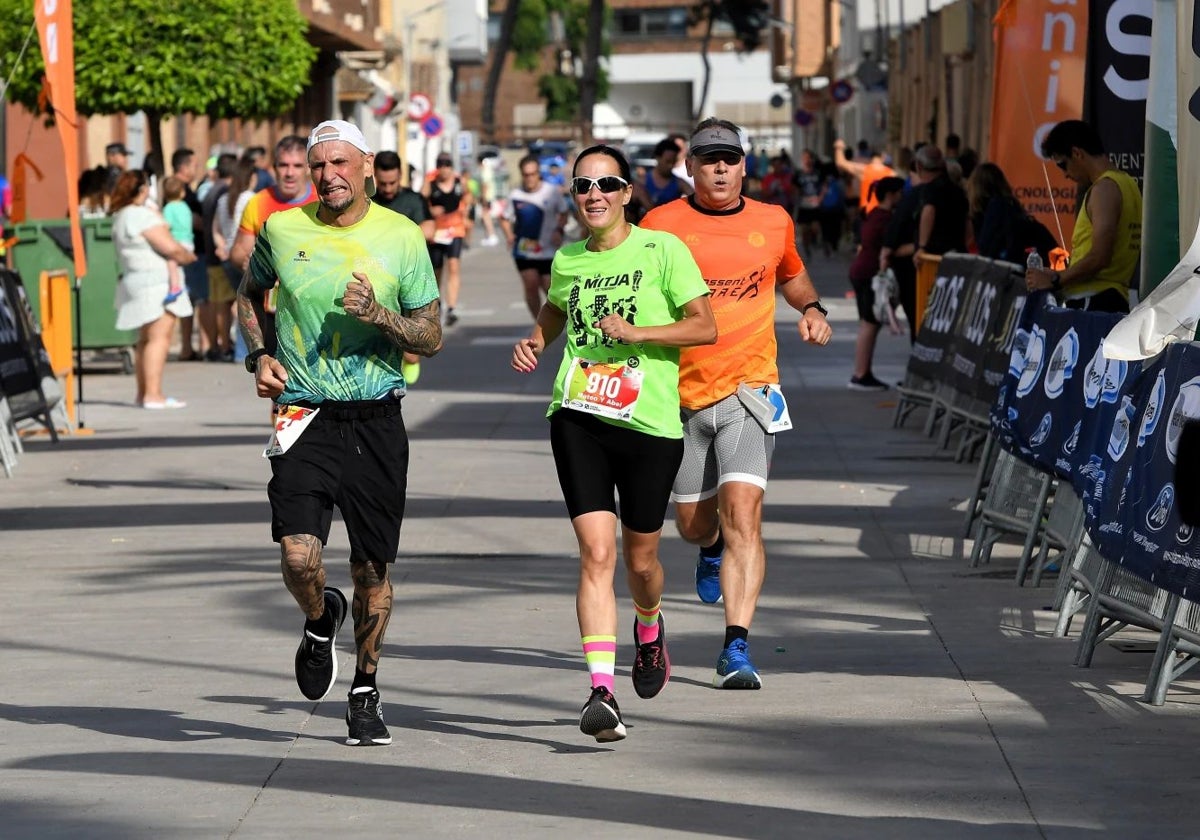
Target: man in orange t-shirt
[[744, 249], [866, 173], [292, 188]]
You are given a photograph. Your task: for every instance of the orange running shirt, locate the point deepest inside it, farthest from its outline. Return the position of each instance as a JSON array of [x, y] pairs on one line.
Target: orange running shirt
[[264, 203], [872, 173], [741, 253]]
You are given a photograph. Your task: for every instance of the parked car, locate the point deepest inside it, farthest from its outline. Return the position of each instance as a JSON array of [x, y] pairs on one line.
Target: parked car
[[639, 148]]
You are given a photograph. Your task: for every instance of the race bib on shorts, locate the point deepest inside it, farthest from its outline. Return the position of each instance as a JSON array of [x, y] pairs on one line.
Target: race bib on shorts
[[530, 248], [445, 236], [607, 390], [290, 423], [765, 403]]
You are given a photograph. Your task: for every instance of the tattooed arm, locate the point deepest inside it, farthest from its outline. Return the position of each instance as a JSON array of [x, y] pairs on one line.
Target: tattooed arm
[[250, 308], [270, 375], [412, 330]]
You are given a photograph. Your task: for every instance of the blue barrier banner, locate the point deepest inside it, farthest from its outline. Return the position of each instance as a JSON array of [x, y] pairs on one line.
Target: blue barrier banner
[[969, 325], [1110, 429]]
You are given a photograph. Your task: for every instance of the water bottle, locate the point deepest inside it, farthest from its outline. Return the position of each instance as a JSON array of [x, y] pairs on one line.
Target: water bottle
[[1033, 259]]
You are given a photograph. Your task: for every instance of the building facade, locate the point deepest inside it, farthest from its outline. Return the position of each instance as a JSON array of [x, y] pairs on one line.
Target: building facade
[[657, 81]]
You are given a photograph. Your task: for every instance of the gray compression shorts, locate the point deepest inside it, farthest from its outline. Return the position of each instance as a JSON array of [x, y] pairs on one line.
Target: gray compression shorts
[[721, 443]]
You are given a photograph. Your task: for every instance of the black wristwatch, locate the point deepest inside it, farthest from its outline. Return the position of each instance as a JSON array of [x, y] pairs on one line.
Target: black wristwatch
[[252, 359], [816, 304]]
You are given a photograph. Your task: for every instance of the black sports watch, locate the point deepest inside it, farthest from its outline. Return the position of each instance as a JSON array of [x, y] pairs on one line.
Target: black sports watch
[[252, 359], [816, 304]]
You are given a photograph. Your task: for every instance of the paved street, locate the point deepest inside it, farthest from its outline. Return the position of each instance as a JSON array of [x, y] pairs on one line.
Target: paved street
[[148, 638]]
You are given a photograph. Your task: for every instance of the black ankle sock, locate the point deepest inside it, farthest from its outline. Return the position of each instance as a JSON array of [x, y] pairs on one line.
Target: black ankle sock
[[733, 633], [714, 551], [362, 679], [322, 626]]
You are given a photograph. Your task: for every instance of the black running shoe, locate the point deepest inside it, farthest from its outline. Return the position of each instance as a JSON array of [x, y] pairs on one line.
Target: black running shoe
[[600, 716], [364, 716], [451, 317], [316, 659], [651, 665], [866, 383]]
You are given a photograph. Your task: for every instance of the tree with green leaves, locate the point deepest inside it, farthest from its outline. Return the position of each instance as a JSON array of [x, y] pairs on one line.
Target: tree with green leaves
[[748, 17], [220, 58], [525, 32]]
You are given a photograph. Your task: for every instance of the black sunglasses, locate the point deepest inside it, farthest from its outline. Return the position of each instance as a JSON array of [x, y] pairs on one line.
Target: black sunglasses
[[1062, 164], [727, 158], [606, 184]]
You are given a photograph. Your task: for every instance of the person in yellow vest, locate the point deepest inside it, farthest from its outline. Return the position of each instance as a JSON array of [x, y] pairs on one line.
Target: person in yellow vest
[[1107, 244]]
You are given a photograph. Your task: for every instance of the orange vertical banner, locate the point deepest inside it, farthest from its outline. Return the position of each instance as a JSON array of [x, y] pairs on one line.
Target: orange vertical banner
[[1041, 53], [56, 34], [20, 186]]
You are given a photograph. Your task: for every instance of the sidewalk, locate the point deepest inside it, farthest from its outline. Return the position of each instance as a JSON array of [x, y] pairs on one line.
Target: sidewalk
[[148, 688]]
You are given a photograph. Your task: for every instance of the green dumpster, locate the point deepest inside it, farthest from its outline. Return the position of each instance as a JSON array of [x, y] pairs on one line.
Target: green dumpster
[[45, 245]]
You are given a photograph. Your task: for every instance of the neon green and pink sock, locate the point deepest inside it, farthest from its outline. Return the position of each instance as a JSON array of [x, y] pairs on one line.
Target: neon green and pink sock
[[647, 622], [601, 655]]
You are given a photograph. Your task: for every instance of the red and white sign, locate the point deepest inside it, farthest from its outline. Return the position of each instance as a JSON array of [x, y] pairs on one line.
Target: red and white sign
[[419, 106]]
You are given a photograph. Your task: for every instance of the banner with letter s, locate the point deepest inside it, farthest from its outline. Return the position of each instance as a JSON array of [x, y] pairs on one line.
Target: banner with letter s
[[1118, 79]]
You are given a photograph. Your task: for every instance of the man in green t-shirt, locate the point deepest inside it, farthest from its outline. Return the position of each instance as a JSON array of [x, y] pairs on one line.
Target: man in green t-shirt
[[356, 291]]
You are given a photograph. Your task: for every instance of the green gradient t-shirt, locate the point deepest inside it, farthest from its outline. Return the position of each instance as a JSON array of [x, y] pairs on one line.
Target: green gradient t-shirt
[[646, 279], [328, 354]]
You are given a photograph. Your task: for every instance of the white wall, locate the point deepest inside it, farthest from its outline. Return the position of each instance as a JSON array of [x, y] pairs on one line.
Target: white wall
[[735, 78]]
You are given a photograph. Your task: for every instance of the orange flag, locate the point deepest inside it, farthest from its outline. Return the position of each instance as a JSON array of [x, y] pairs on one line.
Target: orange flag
[[1041, 49], [20, 186], [56, 34]]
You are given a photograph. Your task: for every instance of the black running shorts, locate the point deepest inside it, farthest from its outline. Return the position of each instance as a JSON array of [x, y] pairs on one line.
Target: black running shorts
[[439, 252], [542, 267], [594, 457], [353, 455]]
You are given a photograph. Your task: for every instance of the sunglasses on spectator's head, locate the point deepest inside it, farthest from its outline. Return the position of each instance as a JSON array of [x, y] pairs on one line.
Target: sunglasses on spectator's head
[[606, 184]]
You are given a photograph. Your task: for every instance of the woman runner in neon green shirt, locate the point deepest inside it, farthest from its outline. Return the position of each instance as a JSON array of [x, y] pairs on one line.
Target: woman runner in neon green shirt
[[628, 299]]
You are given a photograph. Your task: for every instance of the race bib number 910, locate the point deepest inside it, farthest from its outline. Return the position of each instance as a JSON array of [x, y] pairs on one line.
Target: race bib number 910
[[608, 390]]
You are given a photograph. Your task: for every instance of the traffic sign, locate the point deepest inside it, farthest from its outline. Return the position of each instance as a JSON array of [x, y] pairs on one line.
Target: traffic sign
[[803, 118], [432, 125], [419, 106], [466, 144], [841, 91]]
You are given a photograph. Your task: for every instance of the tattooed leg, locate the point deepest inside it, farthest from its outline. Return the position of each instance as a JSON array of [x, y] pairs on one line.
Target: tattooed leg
[[372, 611], [303, 573]]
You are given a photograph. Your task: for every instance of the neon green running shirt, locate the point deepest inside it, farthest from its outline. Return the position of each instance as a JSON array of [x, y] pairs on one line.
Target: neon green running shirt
[[647, 279], [328, 354]]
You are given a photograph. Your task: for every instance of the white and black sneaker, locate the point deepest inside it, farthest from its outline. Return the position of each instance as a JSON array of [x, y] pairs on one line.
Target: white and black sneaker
[[364, 716], [600, 716], [316, 659]]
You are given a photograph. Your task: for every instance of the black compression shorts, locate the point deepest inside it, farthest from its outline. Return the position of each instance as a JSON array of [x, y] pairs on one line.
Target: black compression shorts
[[594, 458]]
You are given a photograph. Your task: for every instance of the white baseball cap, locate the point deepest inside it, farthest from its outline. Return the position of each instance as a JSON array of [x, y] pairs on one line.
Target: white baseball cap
[[347, 133]]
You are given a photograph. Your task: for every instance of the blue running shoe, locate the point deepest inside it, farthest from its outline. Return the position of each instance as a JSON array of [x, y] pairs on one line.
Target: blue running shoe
[[734, 668], [708, 578]]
